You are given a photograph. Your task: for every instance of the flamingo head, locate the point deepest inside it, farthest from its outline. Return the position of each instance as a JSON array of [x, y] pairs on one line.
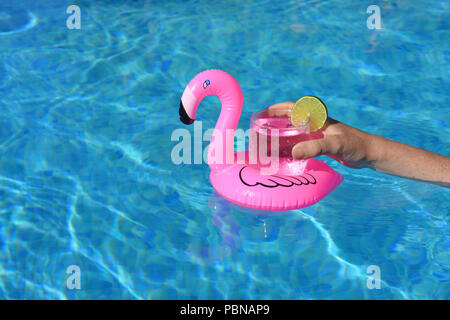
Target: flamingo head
[[199, 87], [209, 82]]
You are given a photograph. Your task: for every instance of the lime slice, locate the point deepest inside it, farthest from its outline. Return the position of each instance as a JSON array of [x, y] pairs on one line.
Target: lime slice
[[312, 107]]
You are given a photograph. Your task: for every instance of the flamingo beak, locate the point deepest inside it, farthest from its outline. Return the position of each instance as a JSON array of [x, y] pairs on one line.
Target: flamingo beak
[[184, 116]]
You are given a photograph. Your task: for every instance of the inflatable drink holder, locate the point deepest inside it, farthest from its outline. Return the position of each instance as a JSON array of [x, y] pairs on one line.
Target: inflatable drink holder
[[265, 177]]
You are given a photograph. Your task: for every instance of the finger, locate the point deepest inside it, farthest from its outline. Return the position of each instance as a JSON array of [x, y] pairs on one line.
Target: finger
[[286, 104], [282, 109], [308, 149]]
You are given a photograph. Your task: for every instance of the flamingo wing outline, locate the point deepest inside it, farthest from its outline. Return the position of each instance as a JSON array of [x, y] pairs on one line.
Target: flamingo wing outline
[[276, 184]]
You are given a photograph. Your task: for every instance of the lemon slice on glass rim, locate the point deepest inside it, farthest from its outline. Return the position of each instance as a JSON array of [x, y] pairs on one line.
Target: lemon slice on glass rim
[[312, 107]]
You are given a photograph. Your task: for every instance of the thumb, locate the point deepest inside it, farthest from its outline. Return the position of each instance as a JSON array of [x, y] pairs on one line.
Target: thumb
[[308, 149]]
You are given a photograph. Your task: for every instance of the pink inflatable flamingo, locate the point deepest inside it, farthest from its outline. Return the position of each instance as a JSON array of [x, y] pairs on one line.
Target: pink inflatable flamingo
[[294, 186]]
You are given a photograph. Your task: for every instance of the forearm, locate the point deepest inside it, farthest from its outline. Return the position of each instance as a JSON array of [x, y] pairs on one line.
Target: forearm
[[407, 161]]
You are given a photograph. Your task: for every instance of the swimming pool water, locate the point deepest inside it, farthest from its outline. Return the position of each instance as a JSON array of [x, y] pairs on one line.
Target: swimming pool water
[[86, 176]]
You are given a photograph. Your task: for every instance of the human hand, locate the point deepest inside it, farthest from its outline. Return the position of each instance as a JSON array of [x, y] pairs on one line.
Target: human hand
[[345, 144]]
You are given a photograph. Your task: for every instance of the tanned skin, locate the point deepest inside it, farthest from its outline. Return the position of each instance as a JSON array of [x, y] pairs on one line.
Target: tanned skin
[[358, 149]]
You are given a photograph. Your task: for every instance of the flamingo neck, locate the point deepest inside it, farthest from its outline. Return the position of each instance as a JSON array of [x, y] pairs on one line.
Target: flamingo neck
[[223, 133]]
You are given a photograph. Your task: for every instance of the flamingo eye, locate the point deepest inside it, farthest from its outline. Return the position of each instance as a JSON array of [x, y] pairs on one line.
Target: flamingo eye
[[205, 84]]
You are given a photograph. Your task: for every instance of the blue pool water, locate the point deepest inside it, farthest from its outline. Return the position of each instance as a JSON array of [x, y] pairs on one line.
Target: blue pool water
[[86, 176]]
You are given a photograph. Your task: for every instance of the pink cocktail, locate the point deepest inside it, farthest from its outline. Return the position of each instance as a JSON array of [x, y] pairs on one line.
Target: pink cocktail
[[268, 126]]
